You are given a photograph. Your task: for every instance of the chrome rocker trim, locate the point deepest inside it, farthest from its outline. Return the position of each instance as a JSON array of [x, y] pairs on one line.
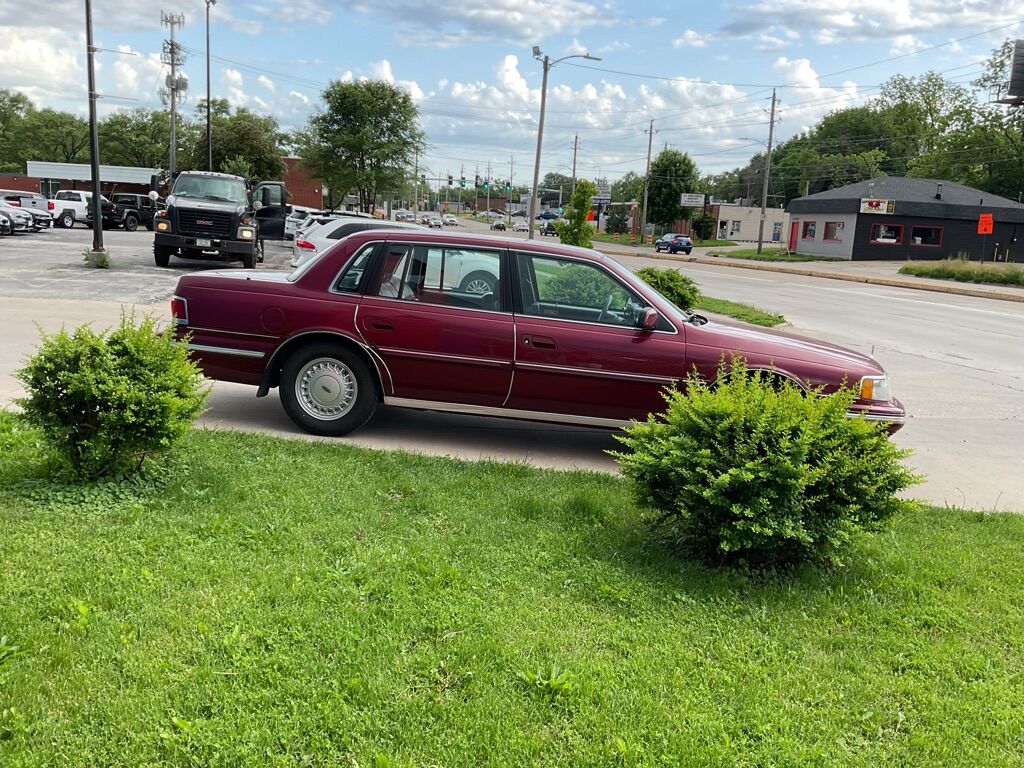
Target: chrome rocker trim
[[224, 350], [506, 413]]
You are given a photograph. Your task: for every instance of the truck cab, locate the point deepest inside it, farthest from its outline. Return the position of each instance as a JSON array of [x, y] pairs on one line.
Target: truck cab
[[216, 216]]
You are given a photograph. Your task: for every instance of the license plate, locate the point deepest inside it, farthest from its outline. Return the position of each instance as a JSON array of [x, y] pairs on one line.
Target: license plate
[[203, 243]]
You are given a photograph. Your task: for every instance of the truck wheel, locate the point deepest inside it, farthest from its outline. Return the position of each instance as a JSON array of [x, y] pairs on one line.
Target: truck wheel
[[162, 254], [149, 225], [327, 390], [66, 220], [249, 260], [131, 222]]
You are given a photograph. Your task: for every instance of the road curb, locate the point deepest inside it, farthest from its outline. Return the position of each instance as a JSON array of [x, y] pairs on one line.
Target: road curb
[[958, 290]]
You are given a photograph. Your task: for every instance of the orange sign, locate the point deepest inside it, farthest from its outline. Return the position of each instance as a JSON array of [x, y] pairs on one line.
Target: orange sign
[[984, 223]]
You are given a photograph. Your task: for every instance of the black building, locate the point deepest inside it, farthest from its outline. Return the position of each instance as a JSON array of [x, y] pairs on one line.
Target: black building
[[899, 218]]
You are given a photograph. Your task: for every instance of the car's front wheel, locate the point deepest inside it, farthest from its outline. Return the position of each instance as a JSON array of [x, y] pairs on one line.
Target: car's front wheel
[[327, 390], [478, 282], [131, 223], [162, 254]]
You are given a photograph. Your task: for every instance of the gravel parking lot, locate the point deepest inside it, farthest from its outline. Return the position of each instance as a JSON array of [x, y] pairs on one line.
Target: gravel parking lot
[[48, 265]]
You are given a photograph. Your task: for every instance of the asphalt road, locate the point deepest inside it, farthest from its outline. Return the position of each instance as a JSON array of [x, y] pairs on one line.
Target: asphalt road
[[956, 362]]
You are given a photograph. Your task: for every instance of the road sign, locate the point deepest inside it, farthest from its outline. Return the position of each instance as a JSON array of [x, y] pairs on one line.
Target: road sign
[[984, 223], [600, 200], [691, 199]]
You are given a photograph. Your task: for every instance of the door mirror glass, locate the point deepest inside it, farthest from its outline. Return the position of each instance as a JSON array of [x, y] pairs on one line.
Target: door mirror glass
[[648, 319], [257, 205], [153, 195]]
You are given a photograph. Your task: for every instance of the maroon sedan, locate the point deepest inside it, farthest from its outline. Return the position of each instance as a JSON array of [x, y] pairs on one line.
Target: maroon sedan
[[483, 325]]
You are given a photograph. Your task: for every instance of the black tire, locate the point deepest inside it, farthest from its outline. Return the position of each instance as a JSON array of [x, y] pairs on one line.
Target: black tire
[[474, 282], [327, 389], [249, 260], [687, 251], [131, 222], [66, 220], [162, 254]]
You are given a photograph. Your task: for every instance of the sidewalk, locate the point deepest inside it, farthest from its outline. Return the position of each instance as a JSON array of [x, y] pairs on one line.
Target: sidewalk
[[872, 272]]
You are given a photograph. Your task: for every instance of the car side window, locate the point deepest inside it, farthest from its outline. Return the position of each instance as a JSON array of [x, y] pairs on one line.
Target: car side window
[[455, 277], [352, 275], [62, 196], [573, 290]]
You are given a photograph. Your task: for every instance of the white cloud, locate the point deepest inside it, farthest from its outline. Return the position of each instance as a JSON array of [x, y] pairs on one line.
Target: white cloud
[[905, 44], [266, 82], [690, 39], [234, 86], [769, 44]]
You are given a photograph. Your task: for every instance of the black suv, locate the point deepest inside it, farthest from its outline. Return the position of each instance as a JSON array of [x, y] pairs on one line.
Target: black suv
[[132, 210]]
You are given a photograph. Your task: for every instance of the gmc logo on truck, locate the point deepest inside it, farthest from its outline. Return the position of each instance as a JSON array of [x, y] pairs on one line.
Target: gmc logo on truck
[[204, 222]]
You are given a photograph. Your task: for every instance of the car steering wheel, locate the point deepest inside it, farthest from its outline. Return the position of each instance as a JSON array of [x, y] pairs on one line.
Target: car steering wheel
[[607, 306]]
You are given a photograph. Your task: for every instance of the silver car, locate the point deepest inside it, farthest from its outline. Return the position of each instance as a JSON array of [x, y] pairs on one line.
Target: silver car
[[21, 221]]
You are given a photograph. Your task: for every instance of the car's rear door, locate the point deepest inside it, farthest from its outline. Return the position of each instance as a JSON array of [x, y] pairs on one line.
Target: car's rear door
[[578, 350], [441, 343]]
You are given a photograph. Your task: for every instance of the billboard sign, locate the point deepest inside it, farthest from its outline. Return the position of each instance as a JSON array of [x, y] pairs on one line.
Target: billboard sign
[[691, 200], [604, 192], [877, 205]]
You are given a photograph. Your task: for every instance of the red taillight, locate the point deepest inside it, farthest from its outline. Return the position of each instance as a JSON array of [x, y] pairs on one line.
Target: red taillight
[[305, 245], [179, 310], [15, 203], [49, 205]]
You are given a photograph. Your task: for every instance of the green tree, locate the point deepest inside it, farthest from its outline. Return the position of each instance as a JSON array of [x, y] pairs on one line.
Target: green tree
[[672, 173], [555, 181], [242, 134], [618, 220], [629, 187], [136, 137], [576, 230], [14, 107], [53, 136], [364, 139]]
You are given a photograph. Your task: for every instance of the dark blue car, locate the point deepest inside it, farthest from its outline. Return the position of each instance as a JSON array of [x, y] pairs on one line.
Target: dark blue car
[[673, 243]]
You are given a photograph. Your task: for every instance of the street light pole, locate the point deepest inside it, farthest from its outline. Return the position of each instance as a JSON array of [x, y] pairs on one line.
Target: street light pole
[[209, 129], [94, 142], [548, 64]]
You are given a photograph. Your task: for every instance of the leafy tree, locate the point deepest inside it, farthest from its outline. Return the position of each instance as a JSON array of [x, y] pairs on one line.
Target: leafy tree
[[617, 220], [52, 136], [136, 137], [704, 226], [239, 166], [576, 230], [243, 134], [672, 173], [629, 187], [364, 139], [555, 181], [14, 107]]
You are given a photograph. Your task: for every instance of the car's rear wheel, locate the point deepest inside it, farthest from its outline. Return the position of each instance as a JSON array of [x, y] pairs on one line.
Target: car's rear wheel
[[162, 254], [328, 390], [67, 220]]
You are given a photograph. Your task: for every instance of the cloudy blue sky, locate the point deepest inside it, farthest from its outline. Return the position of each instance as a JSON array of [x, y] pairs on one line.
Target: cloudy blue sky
[[702, 72]]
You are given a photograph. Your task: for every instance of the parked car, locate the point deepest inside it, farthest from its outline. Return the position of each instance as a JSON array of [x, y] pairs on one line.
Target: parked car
[[70, 205], [549, 228], [567, 335], [673, 243], [498, 225], [520, 212], [309, 229], [520, 226], [21, 220], [40, 219], [6, 224], [19, 198], [131, 210], [435, 222], [327, 235]]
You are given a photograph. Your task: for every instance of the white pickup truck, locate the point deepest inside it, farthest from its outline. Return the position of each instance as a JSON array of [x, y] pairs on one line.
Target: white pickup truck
[[71, 205]]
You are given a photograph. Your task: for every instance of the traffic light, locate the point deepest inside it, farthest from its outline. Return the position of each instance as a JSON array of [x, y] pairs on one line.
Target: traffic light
[[476, 182], [487, 183], [508, 186], [449, 179], [462, 182], [423, 177]]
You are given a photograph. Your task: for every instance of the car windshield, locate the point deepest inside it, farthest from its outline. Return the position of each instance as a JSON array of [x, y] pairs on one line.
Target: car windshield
[[210, 188]]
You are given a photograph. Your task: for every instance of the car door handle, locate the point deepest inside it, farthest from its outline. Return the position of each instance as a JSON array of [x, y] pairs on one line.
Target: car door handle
[[540, 342], [380, 324]]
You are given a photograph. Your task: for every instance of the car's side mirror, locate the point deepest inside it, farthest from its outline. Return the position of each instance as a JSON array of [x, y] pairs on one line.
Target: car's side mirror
[[257, 205], [153, 195], [647, 320]]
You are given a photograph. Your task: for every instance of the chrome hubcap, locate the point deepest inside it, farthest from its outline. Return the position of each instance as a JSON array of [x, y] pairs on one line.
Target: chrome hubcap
[[478, 286], [326, 389]]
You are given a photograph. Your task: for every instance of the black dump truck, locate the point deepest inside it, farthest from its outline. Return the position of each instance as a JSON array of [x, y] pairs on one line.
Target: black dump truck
[[216, 216]]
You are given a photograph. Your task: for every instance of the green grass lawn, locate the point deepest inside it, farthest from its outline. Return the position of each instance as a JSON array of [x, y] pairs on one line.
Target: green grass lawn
[[966, 271], [770, 254], [737, 309], [284, 602]]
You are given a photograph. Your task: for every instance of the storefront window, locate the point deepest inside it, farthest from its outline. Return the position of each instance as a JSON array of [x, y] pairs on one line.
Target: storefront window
[[926, 235], [808, 230], [887, 234], [832, 229]]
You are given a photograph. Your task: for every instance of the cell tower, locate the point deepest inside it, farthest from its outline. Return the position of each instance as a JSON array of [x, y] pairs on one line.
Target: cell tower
[[176, 85]]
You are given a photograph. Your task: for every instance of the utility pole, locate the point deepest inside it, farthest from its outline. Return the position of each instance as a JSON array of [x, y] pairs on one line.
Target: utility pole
[[416, 194], [575, 146], [94, 143], [209, 129], [487, 183], [508, 204], [176, 86], [647, 183], [767, 171]]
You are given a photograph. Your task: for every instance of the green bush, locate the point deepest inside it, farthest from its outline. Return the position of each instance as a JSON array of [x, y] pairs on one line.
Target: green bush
[[750, 471], [617, 221], [966, 271], [105, 401], [673, 285], [576, 230], [704, 226]]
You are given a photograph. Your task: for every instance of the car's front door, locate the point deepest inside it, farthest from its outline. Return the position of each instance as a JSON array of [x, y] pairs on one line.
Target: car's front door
[[436, 316], [273, 210], [578, 350]]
